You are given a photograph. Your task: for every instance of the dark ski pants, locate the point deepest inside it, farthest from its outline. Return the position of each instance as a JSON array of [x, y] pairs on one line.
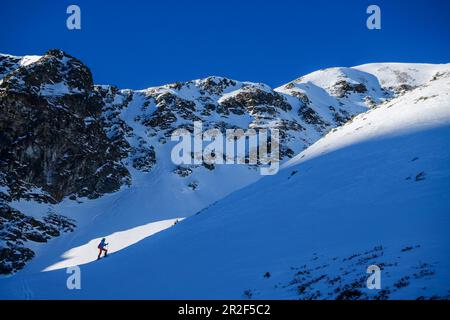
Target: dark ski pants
[[101, 250]]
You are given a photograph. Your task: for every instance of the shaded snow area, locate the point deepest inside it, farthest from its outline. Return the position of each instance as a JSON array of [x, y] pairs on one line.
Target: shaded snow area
[[368, 185]]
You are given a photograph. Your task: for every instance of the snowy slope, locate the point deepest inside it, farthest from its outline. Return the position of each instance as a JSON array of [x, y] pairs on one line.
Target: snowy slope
[[374, 191]]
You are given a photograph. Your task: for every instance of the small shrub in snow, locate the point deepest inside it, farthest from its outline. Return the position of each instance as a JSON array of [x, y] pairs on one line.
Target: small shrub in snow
[[420, 176], [248, 294]]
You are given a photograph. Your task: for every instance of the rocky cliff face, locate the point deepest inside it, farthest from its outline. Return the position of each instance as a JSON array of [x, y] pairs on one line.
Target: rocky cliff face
[[62, 137], [51, 132]]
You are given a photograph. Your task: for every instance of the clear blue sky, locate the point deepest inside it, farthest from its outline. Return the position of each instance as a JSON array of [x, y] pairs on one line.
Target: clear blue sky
[[137, 44]]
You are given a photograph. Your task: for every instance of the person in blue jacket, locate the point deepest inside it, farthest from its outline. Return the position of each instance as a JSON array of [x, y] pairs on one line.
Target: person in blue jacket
[[101, 247]]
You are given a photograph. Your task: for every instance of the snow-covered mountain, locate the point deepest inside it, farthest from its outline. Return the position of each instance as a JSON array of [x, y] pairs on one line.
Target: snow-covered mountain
[[370, 189]]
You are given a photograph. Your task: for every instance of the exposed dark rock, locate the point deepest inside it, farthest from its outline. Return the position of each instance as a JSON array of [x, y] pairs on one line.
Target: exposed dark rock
[[13, 258], [216, 85], [183, 172], [420, 176], [344, 88], [402, 89], [16, 229], [193, 185], [311, 117], [8, 64], [255, 101], [341, 116], [349, 294]]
